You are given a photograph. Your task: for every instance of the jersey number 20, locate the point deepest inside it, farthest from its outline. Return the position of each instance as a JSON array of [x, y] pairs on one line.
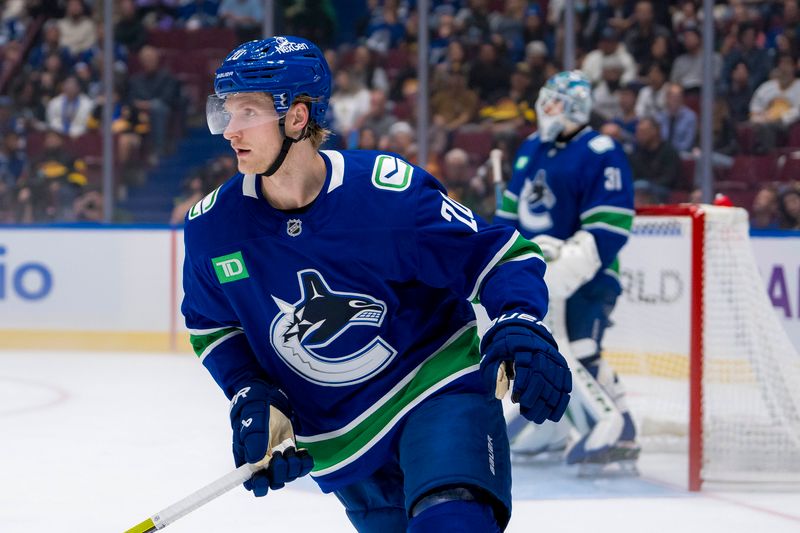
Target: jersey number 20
[[451, 208]]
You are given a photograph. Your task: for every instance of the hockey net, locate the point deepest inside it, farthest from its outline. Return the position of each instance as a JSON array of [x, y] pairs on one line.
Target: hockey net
[[708, 367]]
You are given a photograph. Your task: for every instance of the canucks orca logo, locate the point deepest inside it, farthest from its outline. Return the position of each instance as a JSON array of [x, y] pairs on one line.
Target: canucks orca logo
[[324, 321], [535, 201]]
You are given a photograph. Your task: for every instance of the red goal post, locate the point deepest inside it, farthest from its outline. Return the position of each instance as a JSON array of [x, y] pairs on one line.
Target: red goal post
[[708, 366]]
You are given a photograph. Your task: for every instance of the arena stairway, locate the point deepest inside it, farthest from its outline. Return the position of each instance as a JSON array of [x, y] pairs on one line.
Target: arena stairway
[[153, 201]]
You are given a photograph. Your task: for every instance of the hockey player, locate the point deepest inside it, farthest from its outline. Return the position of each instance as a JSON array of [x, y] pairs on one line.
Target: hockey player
[[571, 193], [329, 295]]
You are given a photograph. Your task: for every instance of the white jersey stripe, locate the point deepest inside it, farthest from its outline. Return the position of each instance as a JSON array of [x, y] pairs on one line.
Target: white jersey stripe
[[496, 259], [337, 168], [249, 185]]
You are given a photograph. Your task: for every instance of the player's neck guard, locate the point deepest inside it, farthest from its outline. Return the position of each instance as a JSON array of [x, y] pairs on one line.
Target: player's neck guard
[[566, 138]]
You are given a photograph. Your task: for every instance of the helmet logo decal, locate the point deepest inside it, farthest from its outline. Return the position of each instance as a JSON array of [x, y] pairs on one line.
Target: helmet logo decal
[[285, 46], [281, 99], [236, 55]]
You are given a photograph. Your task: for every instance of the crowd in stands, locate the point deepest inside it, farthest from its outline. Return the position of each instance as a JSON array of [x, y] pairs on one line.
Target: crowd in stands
[[488, 59]]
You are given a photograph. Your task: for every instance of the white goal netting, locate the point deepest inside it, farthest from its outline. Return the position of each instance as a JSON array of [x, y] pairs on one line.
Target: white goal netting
[[750, 389]]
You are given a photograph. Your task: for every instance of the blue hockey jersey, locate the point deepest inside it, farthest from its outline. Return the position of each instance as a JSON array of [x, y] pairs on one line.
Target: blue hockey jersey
[[559, 188], [357, 307]]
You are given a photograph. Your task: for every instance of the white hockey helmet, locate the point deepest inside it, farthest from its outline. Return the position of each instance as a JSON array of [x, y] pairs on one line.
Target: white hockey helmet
[[564, 101]]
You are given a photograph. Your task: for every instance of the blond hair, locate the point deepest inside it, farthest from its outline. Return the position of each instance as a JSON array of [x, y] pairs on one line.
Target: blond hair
[[317, 134]]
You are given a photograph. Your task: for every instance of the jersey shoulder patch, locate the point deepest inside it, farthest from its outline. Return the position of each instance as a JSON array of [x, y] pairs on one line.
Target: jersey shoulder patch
[[391, 173], [601, 144], [204, 205]]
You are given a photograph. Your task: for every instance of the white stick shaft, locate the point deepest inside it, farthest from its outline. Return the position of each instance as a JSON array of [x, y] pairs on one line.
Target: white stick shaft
[[204, 495], [496, 158]]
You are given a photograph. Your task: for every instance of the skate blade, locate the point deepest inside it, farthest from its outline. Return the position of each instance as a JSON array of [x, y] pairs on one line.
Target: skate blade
[[616, 469], [539, 457]]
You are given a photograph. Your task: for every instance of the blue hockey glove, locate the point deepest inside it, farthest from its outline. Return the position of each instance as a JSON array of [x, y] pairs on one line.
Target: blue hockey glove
[[542, 379], [260, 427]]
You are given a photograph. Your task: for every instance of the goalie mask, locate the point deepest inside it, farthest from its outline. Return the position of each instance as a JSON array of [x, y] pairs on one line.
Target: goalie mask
[[565, 102]]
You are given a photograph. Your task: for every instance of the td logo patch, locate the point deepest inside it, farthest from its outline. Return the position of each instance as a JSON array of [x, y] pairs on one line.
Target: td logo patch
[[230, 267]]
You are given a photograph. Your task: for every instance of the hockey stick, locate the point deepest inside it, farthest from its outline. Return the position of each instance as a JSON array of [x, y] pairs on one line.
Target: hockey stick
[[496, 158], [163, 518]]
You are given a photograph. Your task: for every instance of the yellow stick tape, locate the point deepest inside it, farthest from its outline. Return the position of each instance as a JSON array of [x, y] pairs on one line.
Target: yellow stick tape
[[145, 527]]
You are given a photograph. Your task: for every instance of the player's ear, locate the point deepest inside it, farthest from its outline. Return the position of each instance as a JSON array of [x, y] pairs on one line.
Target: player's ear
[[297, 117]]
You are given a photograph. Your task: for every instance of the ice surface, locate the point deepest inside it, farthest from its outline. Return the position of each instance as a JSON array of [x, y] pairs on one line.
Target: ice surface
[[97, 442]]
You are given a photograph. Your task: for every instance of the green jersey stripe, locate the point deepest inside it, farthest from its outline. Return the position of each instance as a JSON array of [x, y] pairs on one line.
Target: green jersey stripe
[[389, 395], [521, 250], [509, 203], [459, 357], [607, 209], [507, 214], [607, 227], [204, 344], [623, 221]]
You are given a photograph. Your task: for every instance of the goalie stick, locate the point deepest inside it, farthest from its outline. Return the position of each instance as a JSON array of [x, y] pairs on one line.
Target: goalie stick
[[495, 159], [197, 499], [588, 397]]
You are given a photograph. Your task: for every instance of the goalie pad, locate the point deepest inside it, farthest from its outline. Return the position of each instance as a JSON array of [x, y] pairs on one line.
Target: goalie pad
[[576, 263]]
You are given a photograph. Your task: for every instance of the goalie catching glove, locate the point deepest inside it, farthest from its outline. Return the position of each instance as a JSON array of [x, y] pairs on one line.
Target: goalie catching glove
[[523, 349], [261, 431], [570, 263]]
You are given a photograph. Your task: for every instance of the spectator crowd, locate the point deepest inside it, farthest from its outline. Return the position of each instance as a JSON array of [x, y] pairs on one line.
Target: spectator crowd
[[487, 61]]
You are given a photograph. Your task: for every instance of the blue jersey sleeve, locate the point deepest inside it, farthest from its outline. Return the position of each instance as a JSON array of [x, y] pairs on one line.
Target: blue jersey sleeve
[[214, 330], [606, 209], [490, 264]]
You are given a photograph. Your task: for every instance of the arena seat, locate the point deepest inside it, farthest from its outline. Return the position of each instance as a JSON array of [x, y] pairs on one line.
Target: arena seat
[[753, 169], [793, 137], [182, 39], [746, 137], [476, 142], [90, 144], [686, 175], [788, 166]]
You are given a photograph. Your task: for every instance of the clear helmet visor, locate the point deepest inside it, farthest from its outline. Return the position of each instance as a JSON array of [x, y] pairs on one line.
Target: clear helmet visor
[[239, 111]]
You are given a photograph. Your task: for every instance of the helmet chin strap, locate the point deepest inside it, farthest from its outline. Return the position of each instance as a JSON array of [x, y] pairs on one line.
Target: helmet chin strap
[[287, 143]]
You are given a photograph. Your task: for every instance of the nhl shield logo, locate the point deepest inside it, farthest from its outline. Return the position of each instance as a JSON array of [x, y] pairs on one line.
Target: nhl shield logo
[[294, 227]]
